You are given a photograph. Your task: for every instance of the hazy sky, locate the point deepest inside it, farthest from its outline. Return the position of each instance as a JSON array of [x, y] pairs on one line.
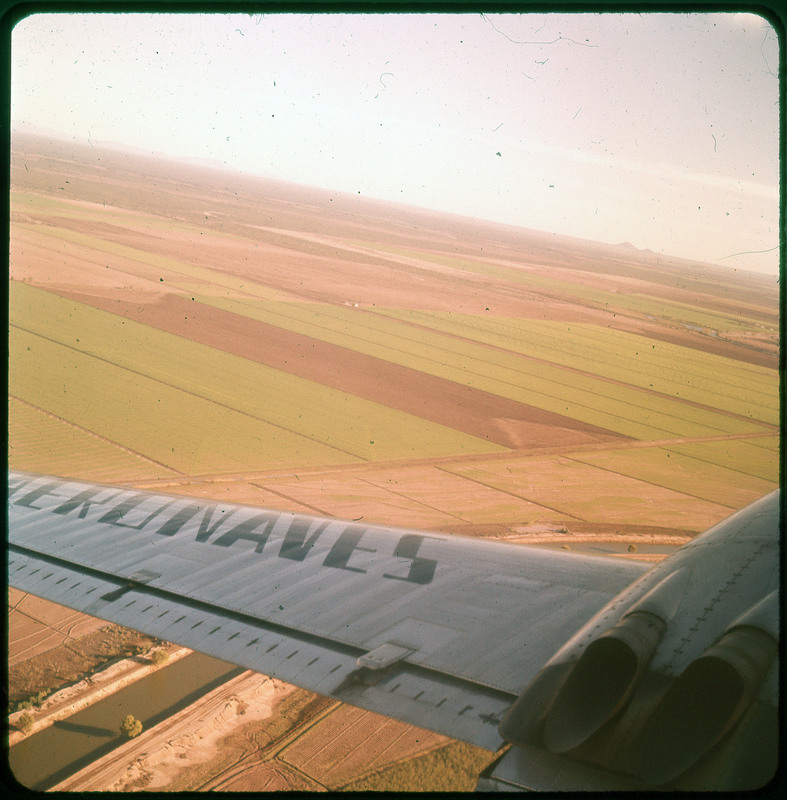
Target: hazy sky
[[660, 130]]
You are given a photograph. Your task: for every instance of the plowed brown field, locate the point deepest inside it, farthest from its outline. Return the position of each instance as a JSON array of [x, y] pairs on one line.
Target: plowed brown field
[[464, 408]]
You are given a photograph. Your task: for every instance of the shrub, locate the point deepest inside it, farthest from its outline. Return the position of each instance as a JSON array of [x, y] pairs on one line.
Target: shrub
[[25, 723], [130, 726], [159, 657]]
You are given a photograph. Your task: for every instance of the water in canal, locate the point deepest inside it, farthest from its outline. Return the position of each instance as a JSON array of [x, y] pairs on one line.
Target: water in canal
[[48, 757], [616, 547]]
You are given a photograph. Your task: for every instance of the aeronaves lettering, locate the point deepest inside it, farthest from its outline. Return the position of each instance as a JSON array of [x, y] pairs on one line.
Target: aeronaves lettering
[[180, 518], [135, 511], [421, 569], [83, 499], [344, 547], [247, 530], [29, 499], [295, 545], [116, 515]]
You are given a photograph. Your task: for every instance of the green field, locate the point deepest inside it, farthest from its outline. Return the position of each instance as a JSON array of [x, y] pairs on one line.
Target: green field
[[607, 300], [623, 409], [756, 457], [41, 443], [670, 369], [189, 406]]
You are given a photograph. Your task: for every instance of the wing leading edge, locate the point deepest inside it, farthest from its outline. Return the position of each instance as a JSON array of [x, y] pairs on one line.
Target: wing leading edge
[[439, 631]]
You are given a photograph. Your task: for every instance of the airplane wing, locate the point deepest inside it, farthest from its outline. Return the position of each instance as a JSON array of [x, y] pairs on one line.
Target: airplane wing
[[448, 630], [445, 632]]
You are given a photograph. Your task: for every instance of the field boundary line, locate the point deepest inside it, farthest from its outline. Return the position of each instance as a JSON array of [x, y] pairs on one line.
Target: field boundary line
[[652, 483], [575, 370], [414, 500], [95, 435], [188, 392], [291, 499], [512, 494]]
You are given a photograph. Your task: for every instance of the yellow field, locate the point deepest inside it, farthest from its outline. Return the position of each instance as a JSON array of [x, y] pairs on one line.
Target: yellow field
[[193, 408]]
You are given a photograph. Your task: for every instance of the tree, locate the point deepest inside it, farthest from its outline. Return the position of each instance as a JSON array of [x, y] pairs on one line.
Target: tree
[[130, 726]]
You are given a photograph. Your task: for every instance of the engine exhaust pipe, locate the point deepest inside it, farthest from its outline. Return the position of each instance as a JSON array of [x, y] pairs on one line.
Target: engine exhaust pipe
[[709, 697], [602, 681], [604, 678]]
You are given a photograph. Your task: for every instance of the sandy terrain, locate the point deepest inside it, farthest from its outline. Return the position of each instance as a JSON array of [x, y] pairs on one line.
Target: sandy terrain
[[151, 760]]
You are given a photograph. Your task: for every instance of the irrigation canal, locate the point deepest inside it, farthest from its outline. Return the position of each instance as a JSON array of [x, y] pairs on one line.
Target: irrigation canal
[[44, 759], [611, 548]]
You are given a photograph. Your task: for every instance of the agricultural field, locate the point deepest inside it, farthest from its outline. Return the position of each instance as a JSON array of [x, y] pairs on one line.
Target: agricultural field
[[652, 303], [251, 341]]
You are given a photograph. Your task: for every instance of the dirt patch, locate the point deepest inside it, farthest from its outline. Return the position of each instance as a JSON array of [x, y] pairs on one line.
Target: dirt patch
[[69, 662], [36, 626]]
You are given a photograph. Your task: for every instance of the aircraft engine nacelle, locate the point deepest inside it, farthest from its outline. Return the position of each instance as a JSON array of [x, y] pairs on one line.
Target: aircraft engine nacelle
[[672, 685]]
